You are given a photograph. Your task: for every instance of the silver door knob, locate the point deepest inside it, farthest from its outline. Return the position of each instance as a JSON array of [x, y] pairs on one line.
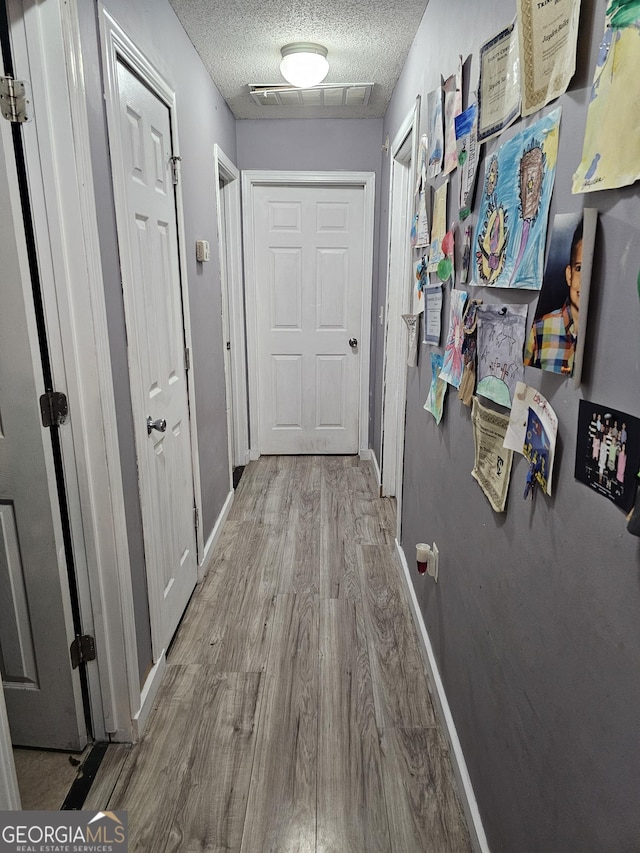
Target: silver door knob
[[160, 425], [353, 343]]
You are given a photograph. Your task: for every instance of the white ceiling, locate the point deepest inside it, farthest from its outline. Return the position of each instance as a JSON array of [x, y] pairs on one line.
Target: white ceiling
[[239, 42]]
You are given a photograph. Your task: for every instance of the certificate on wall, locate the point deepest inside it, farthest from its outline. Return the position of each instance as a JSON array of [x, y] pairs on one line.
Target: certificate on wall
[[499, 85], [492, 464], [548, 35]]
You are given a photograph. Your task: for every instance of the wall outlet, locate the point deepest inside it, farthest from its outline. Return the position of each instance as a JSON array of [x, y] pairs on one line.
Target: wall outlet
[[433, 563]]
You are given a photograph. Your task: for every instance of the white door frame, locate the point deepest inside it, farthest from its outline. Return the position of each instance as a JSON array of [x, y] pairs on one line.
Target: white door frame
[[116, 45], [230, 254], [401, 184], [250, 181], [9, 792], [65, 223]]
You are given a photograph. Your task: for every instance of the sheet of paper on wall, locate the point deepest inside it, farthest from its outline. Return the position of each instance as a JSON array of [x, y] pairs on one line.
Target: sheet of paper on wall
[[432, 315], [452, 89], [420, 225], [438, 226], [453, 362], [557, 336], [412, 322], [422, 222], [468, 154], [511, 232], [524, 400], [548, 38], [499, 83], [501, 331], [437, 389], [611, 149], [421, 278], [492, 462], [608, 452], [435, 134]]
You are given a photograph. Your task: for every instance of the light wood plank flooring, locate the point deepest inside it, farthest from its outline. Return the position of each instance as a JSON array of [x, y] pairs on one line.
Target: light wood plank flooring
[[295, 715]]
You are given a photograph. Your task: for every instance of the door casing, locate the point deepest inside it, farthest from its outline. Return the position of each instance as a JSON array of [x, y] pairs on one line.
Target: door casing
[[252, 179], [227, 179], [73, 292], [398, 302]]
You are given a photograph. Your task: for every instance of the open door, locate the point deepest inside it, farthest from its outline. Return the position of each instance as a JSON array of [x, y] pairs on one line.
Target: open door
[[42, 691]]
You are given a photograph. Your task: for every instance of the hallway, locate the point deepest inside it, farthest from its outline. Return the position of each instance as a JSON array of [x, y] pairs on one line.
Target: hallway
[[294, 713]]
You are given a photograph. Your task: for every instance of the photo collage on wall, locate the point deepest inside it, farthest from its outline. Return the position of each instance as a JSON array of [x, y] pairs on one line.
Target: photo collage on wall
[[507, 241]]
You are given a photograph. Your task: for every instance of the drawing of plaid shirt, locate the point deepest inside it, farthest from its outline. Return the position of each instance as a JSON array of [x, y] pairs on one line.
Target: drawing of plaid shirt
[[552, 341]]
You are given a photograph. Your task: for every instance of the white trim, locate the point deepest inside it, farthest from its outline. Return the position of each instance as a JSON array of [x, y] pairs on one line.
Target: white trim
[[398, 302], [74, 302], [9, 792], [203, 568], [230, 249], [252, 179], [458, 763], [376, 468], [115, 44], [98, 452], [148, 695]]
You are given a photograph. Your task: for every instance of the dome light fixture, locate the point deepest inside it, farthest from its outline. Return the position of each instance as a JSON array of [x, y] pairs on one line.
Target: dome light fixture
[[304, 64]]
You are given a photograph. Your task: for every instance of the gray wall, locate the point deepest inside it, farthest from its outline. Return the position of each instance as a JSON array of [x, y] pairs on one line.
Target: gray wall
[[203, 119], [534, 620], [320, 145]]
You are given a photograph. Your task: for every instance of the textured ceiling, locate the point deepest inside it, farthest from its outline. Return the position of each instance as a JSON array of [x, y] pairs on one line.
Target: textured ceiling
[[239, 42]]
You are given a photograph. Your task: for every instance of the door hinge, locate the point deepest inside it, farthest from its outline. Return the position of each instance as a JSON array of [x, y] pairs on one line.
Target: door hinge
[[54, 408], [187, 359], [174, 168], [82, 649], [196, 518], [229, 346], [14, 100]]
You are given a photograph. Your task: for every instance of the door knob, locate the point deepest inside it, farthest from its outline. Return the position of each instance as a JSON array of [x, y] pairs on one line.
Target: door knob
[[353, 343], [160, 425]]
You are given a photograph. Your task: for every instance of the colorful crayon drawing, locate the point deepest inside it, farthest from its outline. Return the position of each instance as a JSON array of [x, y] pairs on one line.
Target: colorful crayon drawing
[[611, 151], [512, 223], [453, 364]]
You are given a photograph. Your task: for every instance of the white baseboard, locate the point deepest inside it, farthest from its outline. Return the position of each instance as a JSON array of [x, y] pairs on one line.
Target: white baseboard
[[376, 468], [9, 792], [213, 538], [459, 765], [147, 696]]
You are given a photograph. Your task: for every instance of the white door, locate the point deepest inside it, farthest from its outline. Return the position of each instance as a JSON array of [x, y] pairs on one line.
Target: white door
[[42, 692], [155, 331], [310, 273]]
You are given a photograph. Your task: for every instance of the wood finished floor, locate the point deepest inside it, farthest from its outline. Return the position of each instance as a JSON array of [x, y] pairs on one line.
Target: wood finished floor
[[294, 713]]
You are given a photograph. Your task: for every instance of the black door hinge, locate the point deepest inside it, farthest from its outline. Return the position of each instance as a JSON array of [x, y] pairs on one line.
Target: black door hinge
[[82, 649], [54, 408]]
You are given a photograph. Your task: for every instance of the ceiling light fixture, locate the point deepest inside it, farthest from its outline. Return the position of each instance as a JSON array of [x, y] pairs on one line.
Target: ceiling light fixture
[[304, 64]]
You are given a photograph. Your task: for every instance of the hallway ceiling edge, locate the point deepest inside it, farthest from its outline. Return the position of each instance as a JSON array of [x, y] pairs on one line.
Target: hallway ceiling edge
[[239, 44]]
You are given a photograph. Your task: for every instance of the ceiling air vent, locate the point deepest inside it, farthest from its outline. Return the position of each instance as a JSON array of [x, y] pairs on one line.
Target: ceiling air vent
[[319, 96]]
